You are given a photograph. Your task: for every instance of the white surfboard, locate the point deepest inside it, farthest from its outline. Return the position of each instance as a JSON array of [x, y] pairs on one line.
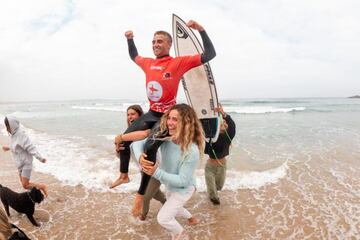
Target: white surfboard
[[198, 83]]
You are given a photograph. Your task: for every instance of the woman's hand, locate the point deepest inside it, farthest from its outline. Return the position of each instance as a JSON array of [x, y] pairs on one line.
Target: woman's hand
[[147, 167], [119, 148], [220, 110], [118, 141]]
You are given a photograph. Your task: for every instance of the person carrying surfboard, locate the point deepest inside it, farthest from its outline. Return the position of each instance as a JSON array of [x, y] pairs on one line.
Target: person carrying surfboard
[[163, 74], [215, 168]]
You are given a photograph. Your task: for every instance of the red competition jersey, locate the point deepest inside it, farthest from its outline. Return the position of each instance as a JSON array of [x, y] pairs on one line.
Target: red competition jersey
[[163, 76]]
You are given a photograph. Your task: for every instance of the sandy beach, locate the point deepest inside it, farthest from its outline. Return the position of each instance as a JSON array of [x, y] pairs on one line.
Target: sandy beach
[[275, 211], [76, 213]]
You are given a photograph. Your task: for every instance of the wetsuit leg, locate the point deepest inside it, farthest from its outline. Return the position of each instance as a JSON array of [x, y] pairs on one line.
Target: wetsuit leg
[[151, 146]]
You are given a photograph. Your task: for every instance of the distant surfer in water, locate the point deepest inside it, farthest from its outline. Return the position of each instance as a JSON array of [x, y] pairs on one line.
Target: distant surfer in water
[[163, 75]]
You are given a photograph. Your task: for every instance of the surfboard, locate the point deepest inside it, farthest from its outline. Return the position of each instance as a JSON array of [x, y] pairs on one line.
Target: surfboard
[[198, 83]]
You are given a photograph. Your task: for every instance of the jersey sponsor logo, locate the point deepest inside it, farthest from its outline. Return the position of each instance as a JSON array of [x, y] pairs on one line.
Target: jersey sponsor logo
[[166, 75], [154, 91], [159, 68], [209, 74]]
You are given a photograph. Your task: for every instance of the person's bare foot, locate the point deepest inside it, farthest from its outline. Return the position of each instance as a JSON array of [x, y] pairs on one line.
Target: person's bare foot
[[138, 205], [193, 221], [119, 181]]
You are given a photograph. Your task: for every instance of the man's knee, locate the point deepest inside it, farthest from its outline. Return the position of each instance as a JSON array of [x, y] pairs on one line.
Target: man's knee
[[209, 177], [220, 182], [147, 197], [160, 196]]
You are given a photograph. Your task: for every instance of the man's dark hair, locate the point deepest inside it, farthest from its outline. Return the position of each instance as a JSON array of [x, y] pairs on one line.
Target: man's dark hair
[[165, 34]]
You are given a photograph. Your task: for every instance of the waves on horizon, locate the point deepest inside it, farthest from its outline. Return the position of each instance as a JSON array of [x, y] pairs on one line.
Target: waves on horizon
[[276, 101], [230, 109], [109, 107], [262, 109], [101, 108]]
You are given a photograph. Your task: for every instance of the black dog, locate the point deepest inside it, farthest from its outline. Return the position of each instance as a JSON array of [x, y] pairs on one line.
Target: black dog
[[21, 202]]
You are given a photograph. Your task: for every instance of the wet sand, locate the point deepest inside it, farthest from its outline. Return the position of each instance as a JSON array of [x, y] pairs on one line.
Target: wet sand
[[309, 203]]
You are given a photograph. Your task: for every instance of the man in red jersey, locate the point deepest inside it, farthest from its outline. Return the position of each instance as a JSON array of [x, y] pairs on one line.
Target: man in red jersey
[[163, 75]]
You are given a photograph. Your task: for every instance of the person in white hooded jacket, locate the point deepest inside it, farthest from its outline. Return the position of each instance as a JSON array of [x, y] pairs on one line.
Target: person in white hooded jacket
[[23, 152]]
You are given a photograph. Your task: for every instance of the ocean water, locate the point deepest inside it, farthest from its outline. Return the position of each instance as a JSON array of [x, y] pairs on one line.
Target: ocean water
[[77, 136], [296, 162]]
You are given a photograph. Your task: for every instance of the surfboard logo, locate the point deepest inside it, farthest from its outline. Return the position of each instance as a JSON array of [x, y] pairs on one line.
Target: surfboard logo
[[180, 32], [154, 91], [209, 74]]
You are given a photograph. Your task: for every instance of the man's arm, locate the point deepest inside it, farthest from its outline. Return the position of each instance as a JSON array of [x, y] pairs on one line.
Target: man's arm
[[209, 50], [131, 44], [231, 126], [230, 122], [131, 136]]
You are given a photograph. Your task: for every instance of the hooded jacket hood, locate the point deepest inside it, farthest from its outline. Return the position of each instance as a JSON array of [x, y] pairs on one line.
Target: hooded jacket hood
[[13, 124]]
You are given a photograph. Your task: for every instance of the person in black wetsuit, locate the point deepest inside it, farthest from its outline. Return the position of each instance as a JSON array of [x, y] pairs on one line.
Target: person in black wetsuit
[[163, 76], [215, 169]]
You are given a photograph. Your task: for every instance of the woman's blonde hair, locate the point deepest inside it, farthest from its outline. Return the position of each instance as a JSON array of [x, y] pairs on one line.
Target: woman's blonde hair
[[189, 128], [5, 226]]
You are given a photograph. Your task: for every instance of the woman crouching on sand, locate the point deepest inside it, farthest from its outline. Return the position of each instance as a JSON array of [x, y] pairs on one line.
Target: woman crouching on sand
[[181, 152]]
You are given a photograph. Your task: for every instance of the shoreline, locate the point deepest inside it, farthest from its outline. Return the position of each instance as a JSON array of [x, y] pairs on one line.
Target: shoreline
[[311, 202]]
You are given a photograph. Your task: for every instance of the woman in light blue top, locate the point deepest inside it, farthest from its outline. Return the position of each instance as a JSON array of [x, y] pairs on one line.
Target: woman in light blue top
[[181, 153]]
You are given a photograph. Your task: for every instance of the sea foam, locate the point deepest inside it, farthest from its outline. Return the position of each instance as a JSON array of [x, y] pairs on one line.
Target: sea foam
[[74, 162]]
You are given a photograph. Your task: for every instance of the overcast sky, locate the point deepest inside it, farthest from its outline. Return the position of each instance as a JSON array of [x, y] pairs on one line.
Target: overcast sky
[[62, 49]]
